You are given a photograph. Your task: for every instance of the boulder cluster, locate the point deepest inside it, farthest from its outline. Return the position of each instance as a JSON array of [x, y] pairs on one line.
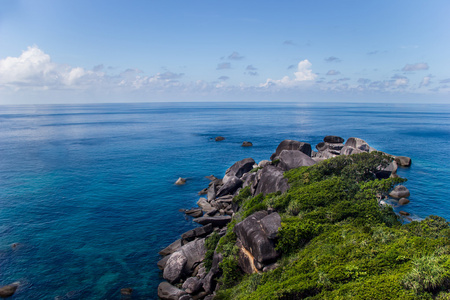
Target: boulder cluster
[[183, 261]]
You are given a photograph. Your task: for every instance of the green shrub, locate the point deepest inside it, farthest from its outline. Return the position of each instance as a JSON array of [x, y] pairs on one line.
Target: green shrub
[[295, 233], [426, 275]]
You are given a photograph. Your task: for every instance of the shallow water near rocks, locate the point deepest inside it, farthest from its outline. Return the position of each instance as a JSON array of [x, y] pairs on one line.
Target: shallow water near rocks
[[87, 192]]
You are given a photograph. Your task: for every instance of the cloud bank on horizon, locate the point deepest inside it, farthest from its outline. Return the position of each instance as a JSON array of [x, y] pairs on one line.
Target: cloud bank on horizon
[[328, 64]]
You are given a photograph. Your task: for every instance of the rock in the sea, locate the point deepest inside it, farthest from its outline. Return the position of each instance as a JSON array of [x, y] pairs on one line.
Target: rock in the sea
[[358, 144], [391, 169], [292, 145], [403, 161], [291, 159], [162, 262], [215, 221], [253, 237], [197, 232], [247, 144], [403, 201], [399, 191], [231, 186], [404, 213], [180, 181], [126, 291], [8, 290], [238, 169], [219, 138], [194, 212], [271, 180], [204, 204], [166, 291], [333, 139]]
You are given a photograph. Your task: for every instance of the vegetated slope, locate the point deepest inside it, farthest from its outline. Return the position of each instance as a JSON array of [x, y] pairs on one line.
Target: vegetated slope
[[337, 242]]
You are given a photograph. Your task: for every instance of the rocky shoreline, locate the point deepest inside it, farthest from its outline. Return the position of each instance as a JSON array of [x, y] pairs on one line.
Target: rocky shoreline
[[183, 262]]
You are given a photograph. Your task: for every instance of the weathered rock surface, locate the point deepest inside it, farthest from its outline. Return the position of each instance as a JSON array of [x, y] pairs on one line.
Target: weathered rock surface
[[166, 291], [404, 213], [215, 221], [292, 145], [171, 248], [194, 212], [238, 169], [180, 181], [192, 285], [291, 159], [271, 180], [333, 139], [253, 237], [403, 161], [247, 144], [197, 232], [173, 270], [212, 190], [162, 262], [357, 143], [270, 224], [348, 150], [388, 171], [204, 204], [8, 290], [231, 186], [399, 191]]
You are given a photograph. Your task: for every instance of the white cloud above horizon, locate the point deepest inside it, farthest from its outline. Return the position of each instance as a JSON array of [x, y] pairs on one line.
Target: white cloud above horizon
[[303, 74]]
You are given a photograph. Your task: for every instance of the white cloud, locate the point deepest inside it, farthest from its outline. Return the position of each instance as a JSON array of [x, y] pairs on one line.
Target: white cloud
[[304, 73], [333, 72], [415, 67]]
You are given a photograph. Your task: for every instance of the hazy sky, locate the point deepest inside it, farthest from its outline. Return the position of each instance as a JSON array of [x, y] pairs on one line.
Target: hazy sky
[[54, 51]]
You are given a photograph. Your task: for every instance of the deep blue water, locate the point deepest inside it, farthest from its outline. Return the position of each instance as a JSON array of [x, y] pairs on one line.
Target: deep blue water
[[87, 193]]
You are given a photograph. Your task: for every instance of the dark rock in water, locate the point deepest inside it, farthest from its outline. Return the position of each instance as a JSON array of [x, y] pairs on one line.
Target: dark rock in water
[[171, 248], [403, 161], [403, 201], [238, 169], [399, 191], [271, 180], [292, 145], [203, 192], [192, 285], [180, 181], [166, 291], [162, 262], [232, 184], [403, 213], [197, 232], [194, 212], [174, 268], [253, 237], [8, 290], [126, 291], [247, 144], [215, 221], [333, 139], [291, 159], [219, 138]]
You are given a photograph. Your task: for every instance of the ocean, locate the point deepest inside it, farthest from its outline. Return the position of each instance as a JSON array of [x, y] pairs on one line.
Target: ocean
[[87, 192]]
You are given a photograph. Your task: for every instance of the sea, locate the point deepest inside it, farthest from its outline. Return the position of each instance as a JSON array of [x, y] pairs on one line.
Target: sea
[[87, 193]]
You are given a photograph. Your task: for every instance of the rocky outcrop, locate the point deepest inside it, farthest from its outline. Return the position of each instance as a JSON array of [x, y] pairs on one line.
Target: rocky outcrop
[[218, 221], [198, 232], [254, 233], [292, 145], [403, 161], [180, 181], [166, 291], [291, 159], [230, 187], [399, 191], [270, 180], [238, 169], [333, 139], [403, 201]]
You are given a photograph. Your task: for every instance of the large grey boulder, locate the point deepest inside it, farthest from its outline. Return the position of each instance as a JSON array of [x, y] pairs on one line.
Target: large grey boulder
[[271, 224], [292, 145], [218, 221], [204, 205], [291, 159], [166, 291], [195, 253], [171, 248], [403, 161], [399, 191], [386, 172], [253, 237], [271, 180], [357, 143], [231, 186], [174, 268], [238, 169], [192, 285], [197, 233], [212, 190], [348, 150], [333, 139]]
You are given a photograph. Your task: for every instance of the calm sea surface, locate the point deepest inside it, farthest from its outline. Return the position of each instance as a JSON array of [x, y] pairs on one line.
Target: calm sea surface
[[87, 193]]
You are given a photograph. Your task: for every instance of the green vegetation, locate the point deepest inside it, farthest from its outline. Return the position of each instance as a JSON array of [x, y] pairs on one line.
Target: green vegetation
[[338, 243]]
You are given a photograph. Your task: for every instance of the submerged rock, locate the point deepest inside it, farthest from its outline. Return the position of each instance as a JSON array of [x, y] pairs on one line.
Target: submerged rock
[[180, 181], [403, 201]]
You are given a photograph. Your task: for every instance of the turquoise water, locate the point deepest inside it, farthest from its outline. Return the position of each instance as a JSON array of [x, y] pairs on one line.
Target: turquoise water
[[87, 193]]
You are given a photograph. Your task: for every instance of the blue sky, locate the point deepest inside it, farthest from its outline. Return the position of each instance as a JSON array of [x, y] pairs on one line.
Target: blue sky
[[131, 51]]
